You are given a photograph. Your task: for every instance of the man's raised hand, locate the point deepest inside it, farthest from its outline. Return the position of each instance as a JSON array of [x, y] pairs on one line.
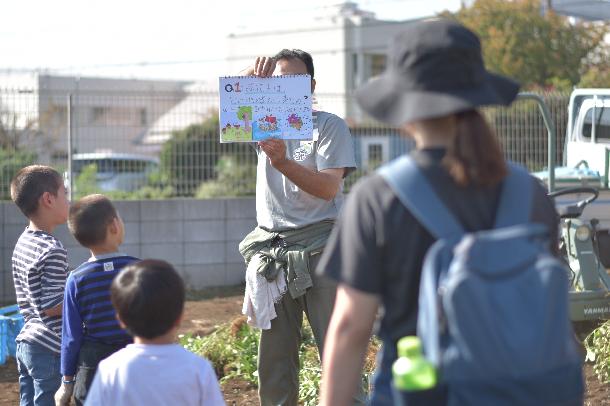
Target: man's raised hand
[[264, 66]]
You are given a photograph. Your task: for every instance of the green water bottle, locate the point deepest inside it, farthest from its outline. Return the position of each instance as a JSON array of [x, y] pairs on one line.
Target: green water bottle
[[412, 371]]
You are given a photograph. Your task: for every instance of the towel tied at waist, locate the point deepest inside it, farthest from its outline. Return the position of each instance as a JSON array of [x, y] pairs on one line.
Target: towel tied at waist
[[277, 262]]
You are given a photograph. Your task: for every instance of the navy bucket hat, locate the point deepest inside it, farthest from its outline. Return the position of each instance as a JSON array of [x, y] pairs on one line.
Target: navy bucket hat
[[435, 68]]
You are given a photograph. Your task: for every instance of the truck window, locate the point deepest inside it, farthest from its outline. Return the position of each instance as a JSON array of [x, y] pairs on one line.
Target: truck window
[[601, 123]]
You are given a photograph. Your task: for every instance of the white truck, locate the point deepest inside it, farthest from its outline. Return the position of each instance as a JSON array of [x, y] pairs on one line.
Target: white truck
[[585, 242], [588, 133], [587, 151]]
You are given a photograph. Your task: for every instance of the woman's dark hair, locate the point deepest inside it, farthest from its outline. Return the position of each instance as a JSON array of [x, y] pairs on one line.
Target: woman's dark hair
[[475, 157], [148, 297], [301, 55]]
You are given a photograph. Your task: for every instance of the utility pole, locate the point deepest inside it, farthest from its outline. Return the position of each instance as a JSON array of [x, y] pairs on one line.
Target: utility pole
[[545, 7]]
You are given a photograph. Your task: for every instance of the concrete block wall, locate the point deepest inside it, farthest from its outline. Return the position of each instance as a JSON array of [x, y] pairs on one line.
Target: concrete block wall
[[199, 237]]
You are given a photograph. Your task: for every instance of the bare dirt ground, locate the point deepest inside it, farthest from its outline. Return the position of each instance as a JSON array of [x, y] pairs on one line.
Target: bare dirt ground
[[206, 310]]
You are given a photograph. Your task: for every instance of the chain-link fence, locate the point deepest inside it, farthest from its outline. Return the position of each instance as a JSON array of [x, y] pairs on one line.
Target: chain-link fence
[[163, 144]]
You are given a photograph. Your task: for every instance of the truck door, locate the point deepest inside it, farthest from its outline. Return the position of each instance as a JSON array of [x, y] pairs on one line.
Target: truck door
[[589, 139]]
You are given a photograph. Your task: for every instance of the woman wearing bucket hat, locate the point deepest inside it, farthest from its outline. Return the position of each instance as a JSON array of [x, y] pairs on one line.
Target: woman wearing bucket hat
[[433, 85]]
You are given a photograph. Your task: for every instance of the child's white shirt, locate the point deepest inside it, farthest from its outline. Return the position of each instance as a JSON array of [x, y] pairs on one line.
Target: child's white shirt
[[146, 374]]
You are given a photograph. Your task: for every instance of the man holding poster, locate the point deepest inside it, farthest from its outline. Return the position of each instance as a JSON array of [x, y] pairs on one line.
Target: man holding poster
[[299, 191]]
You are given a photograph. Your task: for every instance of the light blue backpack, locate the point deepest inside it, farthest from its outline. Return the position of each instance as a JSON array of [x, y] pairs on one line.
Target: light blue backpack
[[493, 305]]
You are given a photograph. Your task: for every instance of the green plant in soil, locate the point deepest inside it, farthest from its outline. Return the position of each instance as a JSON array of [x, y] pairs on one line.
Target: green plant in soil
[[233, 347], [598, 350]]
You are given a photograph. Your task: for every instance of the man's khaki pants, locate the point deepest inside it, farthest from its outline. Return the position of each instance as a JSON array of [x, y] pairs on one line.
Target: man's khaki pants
[[278, 351]]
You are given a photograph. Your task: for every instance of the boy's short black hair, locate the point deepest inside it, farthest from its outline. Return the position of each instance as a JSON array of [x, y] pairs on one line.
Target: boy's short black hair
[[299, 54], [89, 218], [148, 297], [30, 183]]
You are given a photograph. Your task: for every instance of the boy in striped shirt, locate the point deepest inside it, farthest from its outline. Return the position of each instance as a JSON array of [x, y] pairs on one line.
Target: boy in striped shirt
[[40, 266], [90, 330]]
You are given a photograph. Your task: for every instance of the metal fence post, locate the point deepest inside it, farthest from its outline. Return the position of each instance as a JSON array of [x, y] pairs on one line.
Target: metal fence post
[[550, 127], [69, 127]]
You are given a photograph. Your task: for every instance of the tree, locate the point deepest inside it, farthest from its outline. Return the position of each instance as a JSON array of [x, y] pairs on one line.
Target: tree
[[191, 155], [11, 161], [245, 113], [545, 51], [12, 157], [597, 76], [233, 179]]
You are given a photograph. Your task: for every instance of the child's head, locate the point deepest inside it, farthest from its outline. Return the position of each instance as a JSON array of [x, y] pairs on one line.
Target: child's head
[[148, 297], [94, 221], [39, 191]]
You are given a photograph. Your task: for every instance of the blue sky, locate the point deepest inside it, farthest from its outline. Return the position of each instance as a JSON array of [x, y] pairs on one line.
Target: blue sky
[[143, 39]]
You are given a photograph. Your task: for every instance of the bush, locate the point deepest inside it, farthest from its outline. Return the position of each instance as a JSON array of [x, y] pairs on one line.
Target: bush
[[11, 162], [232, 349], [191, 156], [232, 179], [598, 350]]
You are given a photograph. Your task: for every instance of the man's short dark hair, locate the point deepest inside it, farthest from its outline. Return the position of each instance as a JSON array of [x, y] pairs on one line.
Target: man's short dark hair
[[301, 55], [31, 183], [148, 297], [89, 219]]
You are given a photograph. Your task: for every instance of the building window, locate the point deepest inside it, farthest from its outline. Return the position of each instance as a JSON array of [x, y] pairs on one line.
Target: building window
[[354, 71], [98, 115], [55, 116], [375, 155], [143, 117], [377, 64], [375, 151]]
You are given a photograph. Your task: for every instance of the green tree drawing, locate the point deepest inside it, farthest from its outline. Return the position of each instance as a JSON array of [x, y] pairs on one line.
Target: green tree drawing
[[245, 113]]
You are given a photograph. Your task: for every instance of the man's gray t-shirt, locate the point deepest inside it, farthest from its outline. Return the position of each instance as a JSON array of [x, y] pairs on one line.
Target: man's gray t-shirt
[[282, 205]]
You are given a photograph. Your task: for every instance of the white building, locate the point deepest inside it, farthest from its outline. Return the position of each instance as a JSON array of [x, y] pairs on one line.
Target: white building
[[199, 103], [107, 114], [348, 46]]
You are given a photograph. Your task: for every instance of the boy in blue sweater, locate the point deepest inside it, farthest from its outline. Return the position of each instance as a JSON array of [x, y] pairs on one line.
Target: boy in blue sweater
[[90, 330]]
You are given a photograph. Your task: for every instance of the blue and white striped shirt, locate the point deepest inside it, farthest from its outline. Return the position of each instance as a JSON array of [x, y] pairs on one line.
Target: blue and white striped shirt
[[40, 267], [88, 314]]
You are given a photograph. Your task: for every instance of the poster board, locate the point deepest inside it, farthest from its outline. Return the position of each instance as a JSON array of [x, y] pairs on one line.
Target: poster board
[[253, 109]]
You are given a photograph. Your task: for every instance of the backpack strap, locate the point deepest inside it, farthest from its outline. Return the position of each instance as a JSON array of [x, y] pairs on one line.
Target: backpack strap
[[415, 192], [516, 199]]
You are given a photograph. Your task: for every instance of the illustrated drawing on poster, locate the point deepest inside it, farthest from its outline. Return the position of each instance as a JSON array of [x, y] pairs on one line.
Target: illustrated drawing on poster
[[253, 109]]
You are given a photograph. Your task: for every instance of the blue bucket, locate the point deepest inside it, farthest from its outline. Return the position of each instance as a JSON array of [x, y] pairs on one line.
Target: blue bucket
[[11, 323]]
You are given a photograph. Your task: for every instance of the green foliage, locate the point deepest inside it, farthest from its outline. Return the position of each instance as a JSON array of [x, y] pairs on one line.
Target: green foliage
[[191, 155], [232, 179], [143, 193], [310, 373], [85, 183], [11, 162], [598, 350], [233, 351], [536, 50], [244, 110], [597, 76]]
